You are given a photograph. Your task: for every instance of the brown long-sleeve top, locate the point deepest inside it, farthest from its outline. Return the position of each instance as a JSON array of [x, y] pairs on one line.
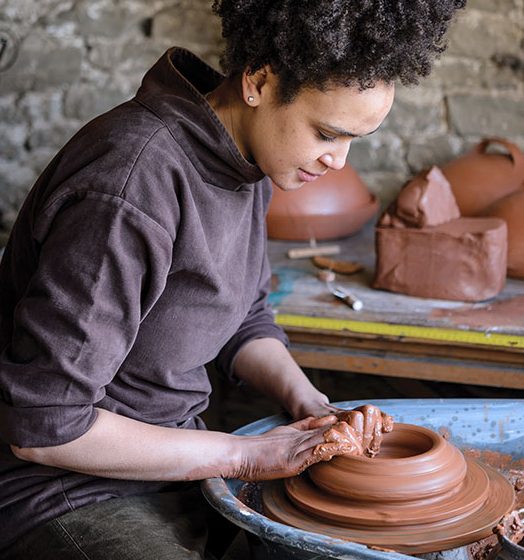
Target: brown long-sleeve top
[[138, 257]]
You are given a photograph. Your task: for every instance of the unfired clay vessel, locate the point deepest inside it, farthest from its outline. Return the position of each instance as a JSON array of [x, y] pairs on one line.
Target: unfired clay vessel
[[511, 210], [335, 205], [420, 494], [479, 178]]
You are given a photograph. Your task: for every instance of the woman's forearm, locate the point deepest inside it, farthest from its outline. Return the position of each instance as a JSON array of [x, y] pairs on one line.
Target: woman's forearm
[[267, 365], [119, 447]]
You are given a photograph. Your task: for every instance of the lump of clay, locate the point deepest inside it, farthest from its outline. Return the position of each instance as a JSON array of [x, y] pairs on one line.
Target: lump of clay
[[425, 249], [427, 200]]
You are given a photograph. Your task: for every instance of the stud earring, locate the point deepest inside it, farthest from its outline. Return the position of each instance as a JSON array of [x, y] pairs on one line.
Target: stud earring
[[250, 99]]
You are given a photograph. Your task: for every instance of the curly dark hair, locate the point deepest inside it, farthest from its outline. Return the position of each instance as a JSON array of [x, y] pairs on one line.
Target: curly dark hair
[[315, 43]]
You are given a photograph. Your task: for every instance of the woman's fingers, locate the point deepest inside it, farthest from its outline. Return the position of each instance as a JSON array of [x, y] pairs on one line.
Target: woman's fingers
[[313, 422], [387, 422], [287, 450], [323, 421], [339, 439], [357, 421], [369, 421]]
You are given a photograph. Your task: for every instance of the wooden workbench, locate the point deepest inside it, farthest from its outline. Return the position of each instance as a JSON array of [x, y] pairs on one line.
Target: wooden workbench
[[395, 335]]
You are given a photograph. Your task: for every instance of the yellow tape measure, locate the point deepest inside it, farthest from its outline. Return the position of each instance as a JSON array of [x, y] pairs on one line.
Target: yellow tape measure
[[407, 331]]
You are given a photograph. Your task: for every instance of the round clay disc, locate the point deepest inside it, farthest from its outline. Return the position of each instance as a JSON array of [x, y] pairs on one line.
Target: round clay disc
[[450, 532], [461, 501]]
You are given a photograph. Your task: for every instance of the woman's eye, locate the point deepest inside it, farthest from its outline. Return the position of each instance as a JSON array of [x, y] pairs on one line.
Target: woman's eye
[[326, 137]]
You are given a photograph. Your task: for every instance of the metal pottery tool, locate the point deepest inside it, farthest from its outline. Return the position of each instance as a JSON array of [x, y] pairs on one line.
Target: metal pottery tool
[[343, 295]]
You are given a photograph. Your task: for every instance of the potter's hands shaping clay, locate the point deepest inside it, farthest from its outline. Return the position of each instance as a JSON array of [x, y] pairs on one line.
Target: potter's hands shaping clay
[[340, 439], [288, 450], [370, 423]]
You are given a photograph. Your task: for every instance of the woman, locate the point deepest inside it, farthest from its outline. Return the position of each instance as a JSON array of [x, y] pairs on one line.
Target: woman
[[139, 256]]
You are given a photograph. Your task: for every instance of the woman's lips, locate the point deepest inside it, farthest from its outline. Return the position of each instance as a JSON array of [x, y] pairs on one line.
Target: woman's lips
[[306, 177]]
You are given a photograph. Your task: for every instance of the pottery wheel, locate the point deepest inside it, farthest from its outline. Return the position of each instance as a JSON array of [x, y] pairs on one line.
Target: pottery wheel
[[426, 521]]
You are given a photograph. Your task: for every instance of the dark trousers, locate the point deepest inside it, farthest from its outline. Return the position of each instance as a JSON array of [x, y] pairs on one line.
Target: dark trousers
[[176, 525]]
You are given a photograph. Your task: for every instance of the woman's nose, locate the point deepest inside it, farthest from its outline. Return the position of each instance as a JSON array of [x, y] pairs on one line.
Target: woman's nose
[[336, 159]]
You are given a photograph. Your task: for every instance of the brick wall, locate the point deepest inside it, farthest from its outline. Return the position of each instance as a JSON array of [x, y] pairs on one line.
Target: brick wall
[[65, 61]]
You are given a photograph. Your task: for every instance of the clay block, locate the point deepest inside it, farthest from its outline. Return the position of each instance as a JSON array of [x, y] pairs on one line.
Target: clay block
[[463, 259]]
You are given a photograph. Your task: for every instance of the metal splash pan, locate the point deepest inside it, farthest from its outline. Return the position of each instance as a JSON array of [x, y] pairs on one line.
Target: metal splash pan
[[492, 430]]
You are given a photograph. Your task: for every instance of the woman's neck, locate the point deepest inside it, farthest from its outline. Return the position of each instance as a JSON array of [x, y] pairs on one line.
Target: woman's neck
[[226, 101]]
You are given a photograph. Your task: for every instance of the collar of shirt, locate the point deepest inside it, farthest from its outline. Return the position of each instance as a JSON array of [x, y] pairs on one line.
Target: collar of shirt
[[174, 90]]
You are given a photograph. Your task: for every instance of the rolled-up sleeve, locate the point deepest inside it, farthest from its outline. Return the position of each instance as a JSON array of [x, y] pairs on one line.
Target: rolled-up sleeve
[[102, 264]]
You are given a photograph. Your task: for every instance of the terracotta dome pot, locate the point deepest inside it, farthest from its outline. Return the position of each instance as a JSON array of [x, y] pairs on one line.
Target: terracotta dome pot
[[335, 205], [511, 209], [479, 178]]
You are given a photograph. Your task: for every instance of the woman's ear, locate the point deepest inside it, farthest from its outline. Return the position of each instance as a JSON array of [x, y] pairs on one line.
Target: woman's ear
[[255, 85]]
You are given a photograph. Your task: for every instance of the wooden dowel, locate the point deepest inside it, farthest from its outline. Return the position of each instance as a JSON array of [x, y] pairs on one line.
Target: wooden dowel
[[306, 252]]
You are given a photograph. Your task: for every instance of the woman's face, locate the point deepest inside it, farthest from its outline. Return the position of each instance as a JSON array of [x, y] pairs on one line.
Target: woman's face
[[297, 143]]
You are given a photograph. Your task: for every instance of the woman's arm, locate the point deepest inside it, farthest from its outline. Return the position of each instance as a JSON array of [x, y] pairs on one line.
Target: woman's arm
[[120, 447], [267, 365]]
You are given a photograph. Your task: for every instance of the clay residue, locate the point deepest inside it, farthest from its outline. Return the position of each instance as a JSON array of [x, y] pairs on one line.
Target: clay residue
[[445, 433], [485, 549], [426, 200], [368, 415], [512, 527], [499, 314]]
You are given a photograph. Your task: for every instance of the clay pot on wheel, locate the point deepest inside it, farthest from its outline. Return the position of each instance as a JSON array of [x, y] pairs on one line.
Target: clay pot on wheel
[[479, 178], [414, 463], [335, 205], [419, 494], [511, 209]]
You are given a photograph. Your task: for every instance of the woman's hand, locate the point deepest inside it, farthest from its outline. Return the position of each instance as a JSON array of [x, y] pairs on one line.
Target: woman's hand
[[370, 423], [288, 450], [310, 402]]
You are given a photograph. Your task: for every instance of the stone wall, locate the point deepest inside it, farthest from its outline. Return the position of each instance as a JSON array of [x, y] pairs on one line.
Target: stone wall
[[64, 61]]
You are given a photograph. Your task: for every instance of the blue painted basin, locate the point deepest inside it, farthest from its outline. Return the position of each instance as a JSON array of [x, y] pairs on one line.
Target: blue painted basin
[[487, 425]]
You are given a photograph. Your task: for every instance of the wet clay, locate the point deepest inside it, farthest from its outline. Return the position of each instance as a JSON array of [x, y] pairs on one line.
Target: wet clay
[[423, 249], [420, 494], [357, 417], [340, 438], [511, 527], [335, 205], [507, 540]]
